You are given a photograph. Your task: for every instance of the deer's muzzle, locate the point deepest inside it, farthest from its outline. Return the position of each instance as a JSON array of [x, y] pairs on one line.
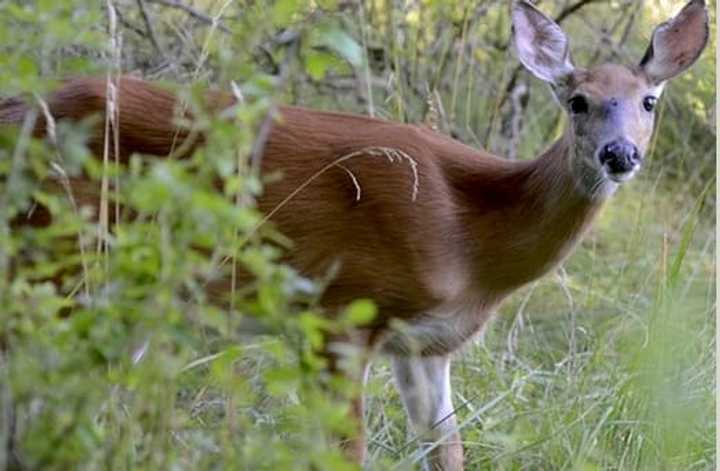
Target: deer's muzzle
[[620, 158]]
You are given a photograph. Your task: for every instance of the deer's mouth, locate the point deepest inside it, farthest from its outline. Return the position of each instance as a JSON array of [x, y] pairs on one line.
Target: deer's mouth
[[621, 176]]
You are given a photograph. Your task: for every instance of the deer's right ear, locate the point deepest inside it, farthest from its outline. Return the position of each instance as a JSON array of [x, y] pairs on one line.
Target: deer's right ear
[[541, 45]]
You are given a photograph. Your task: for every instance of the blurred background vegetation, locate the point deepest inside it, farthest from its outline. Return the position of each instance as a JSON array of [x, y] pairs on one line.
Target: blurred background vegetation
[[607, 364]]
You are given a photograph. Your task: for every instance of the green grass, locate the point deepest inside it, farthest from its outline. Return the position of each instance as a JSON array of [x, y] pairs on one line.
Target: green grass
[[607, 365]]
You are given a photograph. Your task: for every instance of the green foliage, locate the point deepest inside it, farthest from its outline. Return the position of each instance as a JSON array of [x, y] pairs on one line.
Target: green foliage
[[130, 362]]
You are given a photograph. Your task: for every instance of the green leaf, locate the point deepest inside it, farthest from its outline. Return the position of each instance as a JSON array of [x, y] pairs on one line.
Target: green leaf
[[342, 43], [281, 380], [284, 10], [360, 312], [317, 63]]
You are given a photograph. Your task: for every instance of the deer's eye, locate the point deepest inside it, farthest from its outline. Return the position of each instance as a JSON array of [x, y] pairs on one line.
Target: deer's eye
[[649, 103], [578, 104]]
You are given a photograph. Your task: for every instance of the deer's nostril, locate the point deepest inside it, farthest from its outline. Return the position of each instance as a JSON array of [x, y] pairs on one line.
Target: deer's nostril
[[619, 165], [607, 153]]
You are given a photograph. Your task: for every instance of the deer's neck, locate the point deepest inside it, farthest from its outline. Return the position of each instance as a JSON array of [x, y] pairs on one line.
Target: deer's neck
[[525, 217]]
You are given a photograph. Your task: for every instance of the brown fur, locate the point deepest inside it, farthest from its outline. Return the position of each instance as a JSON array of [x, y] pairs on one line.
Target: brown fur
[[501, 223]]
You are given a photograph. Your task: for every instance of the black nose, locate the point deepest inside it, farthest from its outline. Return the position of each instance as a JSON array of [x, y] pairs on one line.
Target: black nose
[[620, 156]]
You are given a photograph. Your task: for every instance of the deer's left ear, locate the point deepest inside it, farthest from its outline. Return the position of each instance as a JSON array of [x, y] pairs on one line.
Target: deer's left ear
[[677, 43]]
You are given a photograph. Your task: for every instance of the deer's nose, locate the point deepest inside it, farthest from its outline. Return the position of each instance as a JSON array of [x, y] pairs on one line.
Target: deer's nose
[[620, 156]]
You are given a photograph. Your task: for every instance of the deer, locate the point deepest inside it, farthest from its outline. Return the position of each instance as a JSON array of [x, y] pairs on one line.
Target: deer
[[438, 240]]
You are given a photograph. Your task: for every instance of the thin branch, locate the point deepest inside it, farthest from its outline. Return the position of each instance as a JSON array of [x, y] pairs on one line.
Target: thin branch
[[572, 9], [267, 124], [148, 25], [124, 22], [193, 12]]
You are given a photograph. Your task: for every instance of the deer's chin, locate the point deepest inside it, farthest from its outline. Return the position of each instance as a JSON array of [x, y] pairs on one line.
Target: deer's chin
[[620, 177]]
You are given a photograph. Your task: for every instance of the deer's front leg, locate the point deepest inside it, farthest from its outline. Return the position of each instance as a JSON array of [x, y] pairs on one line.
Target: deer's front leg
[[424, 385]]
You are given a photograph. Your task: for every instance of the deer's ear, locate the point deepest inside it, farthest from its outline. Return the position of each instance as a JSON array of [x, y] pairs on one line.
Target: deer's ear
[[677, 43], [541, 45]]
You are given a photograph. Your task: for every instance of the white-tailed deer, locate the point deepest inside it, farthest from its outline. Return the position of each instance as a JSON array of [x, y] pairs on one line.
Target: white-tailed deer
[[441, 239]]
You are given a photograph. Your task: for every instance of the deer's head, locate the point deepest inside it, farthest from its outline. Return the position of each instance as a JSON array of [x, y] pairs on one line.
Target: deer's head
[[611, 107]]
